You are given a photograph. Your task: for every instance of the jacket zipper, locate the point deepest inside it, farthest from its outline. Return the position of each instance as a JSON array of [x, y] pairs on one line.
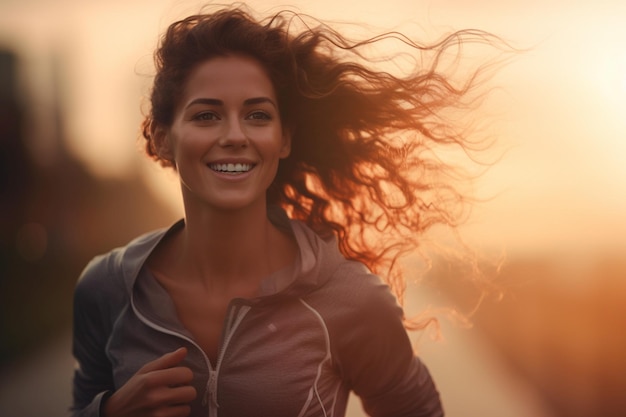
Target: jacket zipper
[[210, 391], [231, 326]]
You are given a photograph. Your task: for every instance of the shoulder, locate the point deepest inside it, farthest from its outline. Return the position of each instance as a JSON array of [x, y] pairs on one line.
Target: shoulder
[[110, 275], [101, 274], [353, 299], [99, 292], [342, 287], [357, 287]]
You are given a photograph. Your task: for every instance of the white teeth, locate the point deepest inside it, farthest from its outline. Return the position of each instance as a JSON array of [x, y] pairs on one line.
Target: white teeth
[[231, 168]]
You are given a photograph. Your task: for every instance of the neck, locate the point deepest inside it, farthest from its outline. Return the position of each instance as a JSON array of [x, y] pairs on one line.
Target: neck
[[224, 247]]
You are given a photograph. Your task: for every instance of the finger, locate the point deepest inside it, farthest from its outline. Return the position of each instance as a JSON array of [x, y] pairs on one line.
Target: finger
[[179, 395], [170, 377], [169, 397], [168, 360]]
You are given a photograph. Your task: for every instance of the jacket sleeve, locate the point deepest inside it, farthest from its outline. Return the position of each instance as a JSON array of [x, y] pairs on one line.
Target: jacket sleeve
[[377, 360], [93, 379]]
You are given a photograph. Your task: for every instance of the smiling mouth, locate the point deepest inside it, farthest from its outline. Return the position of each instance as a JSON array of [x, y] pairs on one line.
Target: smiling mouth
[[231, 168]]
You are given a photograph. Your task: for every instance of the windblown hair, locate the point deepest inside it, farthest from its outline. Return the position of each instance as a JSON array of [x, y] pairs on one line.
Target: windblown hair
[[362, 165]]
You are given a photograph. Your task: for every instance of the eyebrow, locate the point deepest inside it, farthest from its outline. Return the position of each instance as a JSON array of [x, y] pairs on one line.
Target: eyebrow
[[217, 102]]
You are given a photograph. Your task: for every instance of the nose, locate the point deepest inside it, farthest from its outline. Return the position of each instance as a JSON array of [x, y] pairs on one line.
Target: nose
[[234, 136]]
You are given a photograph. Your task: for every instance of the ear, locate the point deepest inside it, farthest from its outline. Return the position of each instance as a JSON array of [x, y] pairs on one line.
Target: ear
[[285, 150], [162, 142]]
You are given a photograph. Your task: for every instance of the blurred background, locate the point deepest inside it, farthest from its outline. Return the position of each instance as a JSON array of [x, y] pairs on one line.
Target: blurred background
[[74, 183]]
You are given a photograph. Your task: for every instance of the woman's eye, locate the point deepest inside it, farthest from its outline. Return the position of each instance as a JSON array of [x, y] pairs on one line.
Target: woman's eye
[[206, 116], [259, 115]]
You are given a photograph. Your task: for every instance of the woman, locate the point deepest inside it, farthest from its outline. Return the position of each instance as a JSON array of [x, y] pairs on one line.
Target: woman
[[298, 178]]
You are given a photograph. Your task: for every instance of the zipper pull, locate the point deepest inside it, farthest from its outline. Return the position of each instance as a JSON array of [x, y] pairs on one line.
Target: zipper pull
[[211, 390]]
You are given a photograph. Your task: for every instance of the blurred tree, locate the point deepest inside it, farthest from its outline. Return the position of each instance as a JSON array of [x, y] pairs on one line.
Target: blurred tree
[[53, 219]]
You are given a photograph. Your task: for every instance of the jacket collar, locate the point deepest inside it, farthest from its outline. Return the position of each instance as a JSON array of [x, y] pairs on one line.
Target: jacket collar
[[316, 260]]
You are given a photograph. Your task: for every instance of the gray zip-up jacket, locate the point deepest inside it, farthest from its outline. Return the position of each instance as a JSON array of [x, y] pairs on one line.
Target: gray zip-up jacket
[[324, 327]]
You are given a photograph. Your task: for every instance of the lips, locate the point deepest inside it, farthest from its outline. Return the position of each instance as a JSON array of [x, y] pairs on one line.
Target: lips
[[231, 168]]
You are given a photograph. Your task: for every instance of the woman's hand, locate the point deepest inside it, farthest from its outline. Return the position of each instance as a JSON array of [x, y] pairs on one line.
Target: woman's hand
[[159, 389]]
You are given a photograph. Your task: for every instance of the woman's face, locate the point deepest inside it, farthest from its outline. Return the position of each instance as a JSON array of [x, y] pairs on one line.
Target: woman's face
[[227, 138]]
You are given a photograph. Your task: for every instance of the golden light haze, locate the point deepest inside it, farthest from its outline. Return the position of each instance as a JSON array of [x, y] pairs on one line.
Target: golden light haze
[[559, 110], [554, 203]]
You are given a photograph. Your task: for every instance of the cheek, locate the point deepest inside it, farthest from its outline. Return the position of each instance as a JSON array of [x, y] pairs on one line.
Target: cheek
[[189, 145], [273, 142]]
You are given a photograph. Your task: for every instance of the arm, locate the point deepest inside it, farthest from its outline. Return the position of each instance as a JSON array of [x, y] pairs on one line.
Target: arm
[[93, 378], [377, 359]]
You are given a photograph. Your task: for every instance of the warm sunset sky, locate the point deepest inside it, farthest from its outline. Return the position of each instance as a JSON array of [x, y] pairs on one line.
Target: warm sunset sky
[[560, 112]]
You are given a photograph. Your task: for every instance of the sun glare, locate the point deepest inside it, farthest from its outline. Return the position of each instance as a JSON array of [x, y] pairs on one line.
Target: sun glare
[[609, 72]]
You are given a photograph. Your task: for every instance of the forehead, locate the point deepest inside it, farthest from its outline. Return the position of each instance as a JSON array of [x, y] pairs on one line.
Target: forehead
[[231, 76]]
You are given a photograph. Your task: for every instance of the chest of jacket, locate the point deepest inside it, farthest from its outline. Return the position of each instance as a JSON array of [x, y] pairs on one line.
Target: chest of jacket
[[274, 357]]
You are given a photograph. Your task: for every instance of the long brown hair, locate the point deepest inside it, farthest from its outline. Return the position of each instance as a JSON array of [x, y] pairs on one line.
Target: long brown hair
[[361, 165]]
